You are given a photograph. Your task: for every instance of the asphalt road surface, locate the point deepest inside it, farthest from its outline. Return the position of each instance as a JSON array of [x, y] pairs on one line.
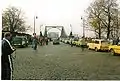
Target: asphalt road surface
[[62, 62]]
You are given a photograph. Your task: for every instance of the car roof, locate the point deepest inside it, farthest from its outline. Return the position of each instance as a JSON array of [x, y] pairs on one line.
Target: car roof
[[19, 37], [98, 39]]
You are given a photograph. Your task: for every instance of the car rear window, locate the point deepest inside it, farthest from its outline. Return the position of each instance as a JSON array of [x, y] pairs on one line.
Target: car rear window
[[104, 42]]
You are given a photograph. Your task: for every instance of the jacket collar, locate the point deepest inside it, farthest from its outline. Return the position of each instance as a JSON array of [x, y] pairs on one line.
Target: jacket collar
[[8, 43]]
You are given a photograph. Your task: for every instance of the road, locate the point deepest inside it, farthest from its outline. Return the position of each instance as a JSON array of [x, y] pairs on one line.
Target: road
[[62, 62]]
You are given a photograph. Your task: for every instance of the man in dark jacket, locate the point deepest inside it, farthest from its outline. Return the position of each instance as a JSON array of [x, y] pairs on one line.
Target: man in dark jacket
[[6, 64]]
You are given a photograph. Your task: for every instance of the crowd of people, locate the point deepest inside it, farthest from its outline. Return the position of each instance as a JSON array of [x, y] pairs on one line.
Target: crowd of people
[[41, 41]]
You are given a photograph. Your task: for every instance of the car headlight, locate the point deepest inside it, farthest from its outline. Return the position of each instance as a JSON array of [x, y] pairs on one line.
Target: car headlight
[[23, 42]]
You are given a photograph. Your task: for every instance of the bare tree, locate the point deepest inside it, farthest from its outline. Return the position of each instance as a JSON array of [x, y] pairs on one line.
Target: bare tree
[[108, 8], [102, 16], [13, 20], [94, 12]]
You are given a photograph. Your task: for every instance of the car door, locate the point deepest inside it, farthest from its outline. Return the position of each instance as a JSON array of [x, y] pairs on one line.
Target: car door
[[117, 49], [96, 44], [79, 42], [91, 45]]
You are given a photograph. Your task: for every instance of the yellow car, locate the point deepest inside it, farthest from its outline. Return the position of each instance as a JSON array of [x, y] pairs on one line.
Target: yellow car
[[78, 43], [114, 49], [74, 42], [99, 45]]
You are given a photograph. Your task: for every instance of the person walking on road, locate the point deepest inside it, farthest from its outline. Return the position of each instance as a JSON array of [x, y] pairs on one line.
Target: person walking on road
[[6, 61], [46, 41], [71, 42], [83, 43], [34, 43]]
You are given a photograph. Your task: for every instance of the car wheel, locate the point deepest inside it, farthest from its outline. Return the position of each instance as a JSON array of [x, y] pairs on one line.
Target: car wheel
[[89, 48], [22, 46], [96, 49], [112, 52]]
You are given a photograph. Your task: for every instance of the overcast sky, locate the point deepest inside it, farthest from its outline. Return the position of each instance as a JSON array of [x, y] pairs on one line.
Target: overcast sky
[[52, 12]]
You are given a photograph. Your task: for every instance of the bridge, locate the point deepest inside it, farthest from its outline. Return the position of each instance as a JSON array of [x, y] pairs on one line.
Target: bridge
[[61, 28]]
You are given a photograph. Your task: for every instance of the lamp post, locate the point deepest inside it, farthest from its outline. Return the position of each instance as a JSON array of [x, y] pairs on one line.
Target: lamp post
[[71, 27], [71, 31], [35, 17], [83, 26]]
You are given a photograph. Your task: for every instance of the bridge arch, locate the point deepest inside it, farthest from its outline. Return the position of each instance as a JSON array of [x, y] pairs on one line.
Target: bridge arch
[[61, 28]]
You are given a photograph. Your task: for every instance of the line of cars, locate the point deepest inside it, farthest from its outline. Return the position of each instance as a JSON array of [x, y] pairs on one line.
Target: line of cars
[[104, 45], [96, 44], [74, 41]]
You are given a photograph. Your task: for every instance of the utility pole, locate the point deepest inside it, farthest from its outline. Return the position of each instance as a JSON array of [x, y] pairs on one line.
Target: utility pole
[[83, 26], [71, 27], [35, 17], [71, 31]]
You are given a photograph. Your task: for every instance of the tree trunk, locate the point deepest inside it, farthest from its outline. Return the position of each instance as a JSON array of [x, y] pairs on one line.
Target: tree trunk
[[99, 30], [109, 25]]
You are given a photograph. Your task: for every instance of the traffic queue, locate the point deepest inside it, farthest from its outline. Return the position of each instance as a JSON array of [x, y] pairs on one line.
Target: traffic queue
[[98, 45]]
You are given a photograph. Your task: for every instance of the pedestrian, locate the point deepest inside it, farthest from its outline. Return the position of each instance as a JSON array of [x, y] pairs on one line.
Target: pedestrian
[[6, 61], [46, 41], [41, 41], [71, 42], [83, 43], [34, 43]]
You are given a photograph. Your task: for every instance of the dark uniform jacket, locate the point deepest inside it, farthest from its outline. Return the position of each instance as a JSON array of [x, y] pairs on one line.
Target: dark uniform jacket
[[6, 52]]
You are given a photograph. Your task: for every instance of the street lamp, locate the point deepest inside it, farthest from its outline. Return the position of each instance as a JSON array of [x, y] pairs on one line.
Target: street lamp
[[35, 17], [83, 27], [71, 27], [71, 31]]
